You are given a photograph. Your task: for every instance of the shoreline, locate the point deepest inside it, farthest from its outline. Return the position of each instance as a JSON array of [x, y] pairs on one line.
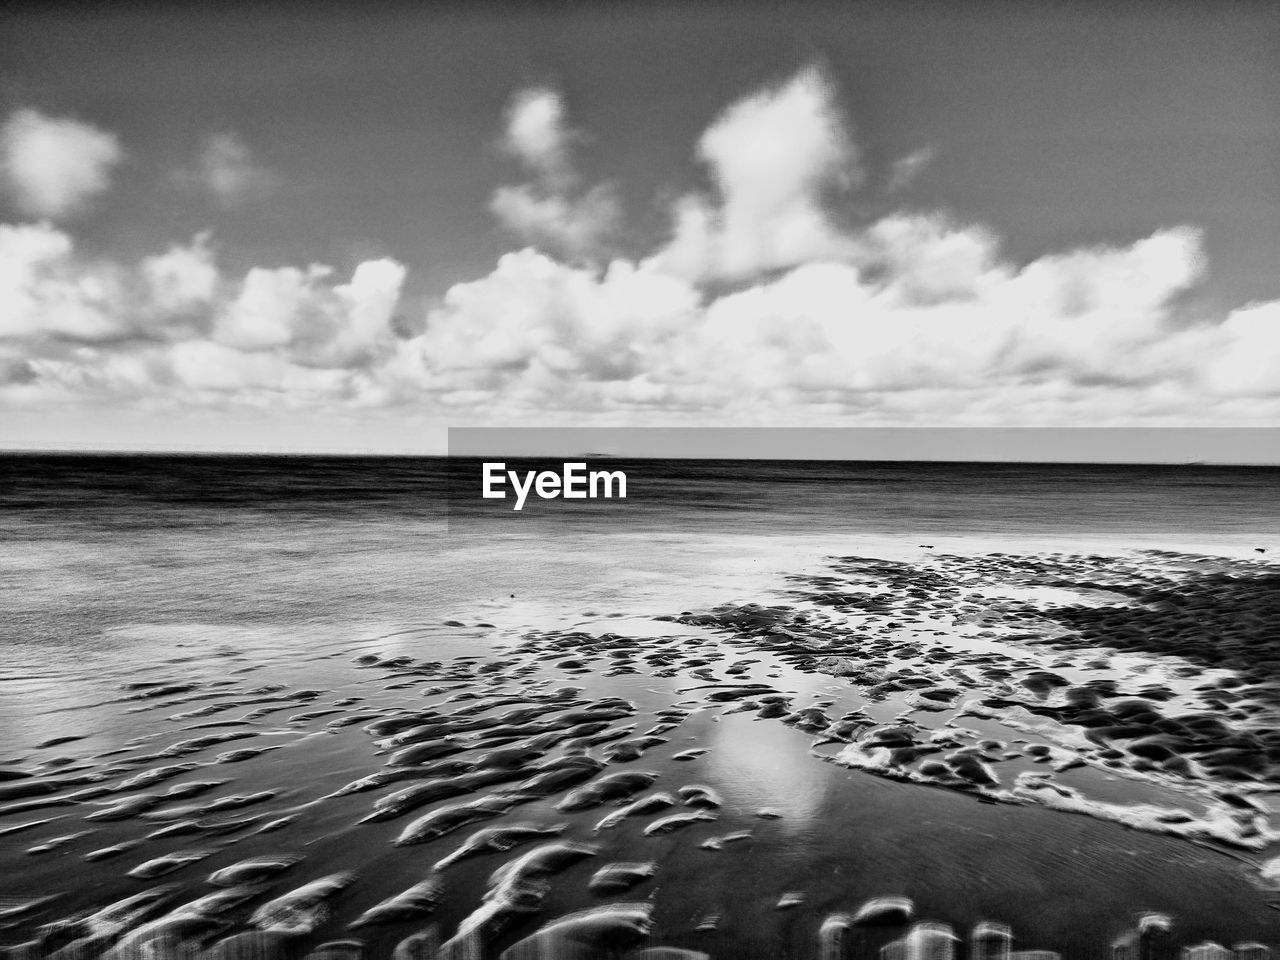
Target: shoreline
[[817, 708]]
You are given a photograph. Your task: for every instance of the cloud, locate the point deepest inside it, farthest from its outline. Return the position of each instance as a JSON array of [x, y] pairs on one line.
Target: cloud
[[52, 166], [1243, 354], [172, 327], [552, 209], [776, 159], [768, 303], [203, 368], [46, 295], [938, 324], [226, 169], [537, 134], [536, 316], [51, 295], [905, 170], [301, 315], [182, 280]]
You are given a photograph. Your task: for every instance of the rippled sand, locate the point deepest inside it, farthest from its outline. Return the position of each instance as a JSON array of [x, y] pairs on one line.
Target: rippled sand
[[1062, 752]]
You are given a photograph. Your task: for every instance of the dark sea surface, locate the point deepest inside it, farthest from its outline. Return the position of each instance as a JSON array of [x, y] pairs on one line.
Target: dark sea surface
[[97, 546], [96, 543], [122, 569]]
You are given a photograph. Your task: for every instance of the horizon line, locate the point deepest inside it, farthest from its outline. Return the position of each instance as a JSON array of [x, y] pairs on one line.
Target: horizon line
[[405, 455], [1128, 445]]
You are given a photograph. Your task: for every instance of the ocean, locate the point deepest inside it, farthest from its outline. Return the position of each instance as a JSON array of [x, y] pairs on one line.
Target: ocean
[[200, 576], [96, 544]]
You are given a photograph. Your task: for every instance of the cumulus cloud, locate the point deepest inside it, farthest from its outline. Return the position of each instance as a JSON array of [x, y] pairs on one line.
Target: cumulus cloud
[[776, 159], [538, 134], [940, 323], [1243, 356], [52, 166], [226, 168], [535, 317], [766, 304], [182, 280], [173, 326], [315, 323], [51, 295], [46, 294], [552, 209]]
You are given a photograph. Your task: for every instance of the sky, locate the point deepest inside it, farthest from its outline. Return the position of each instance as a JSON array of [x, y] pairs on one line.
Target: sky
[[342, 226]]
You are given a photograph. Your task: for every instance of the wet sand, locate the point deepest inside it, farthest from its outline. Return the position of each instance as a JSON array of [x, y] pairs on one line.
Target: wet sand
[[893, 757]]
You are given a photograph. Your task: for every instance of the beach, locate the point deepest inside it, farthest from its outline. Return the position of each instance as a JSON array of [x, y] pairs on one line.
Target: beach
[[290, 707]]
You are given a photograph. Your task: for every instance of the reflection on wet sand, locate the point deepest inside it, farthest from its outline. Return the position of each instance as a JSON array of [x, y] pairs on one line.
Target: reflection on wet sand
[[761, 767]]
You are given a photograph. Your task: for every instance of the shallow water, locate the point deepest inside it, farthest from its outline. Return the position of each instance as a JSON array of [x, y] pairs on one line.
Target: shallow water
[[229, 575]]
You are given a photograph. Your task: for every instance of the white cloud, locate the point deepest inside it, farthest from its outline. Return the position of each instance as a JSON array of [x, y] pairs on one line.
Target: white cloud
[[173, 327], [302, 315], [575, 225], [775, 158], [366, 306], [764, 307], [553, 209], [933, 326], [926, 258], [269, 308], [535, 317], [206, 368], [50, 294], [538, 134], [53, 166], [1243, 354], [183, 279], [46, 294], [1100, 312], [227, 169]]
